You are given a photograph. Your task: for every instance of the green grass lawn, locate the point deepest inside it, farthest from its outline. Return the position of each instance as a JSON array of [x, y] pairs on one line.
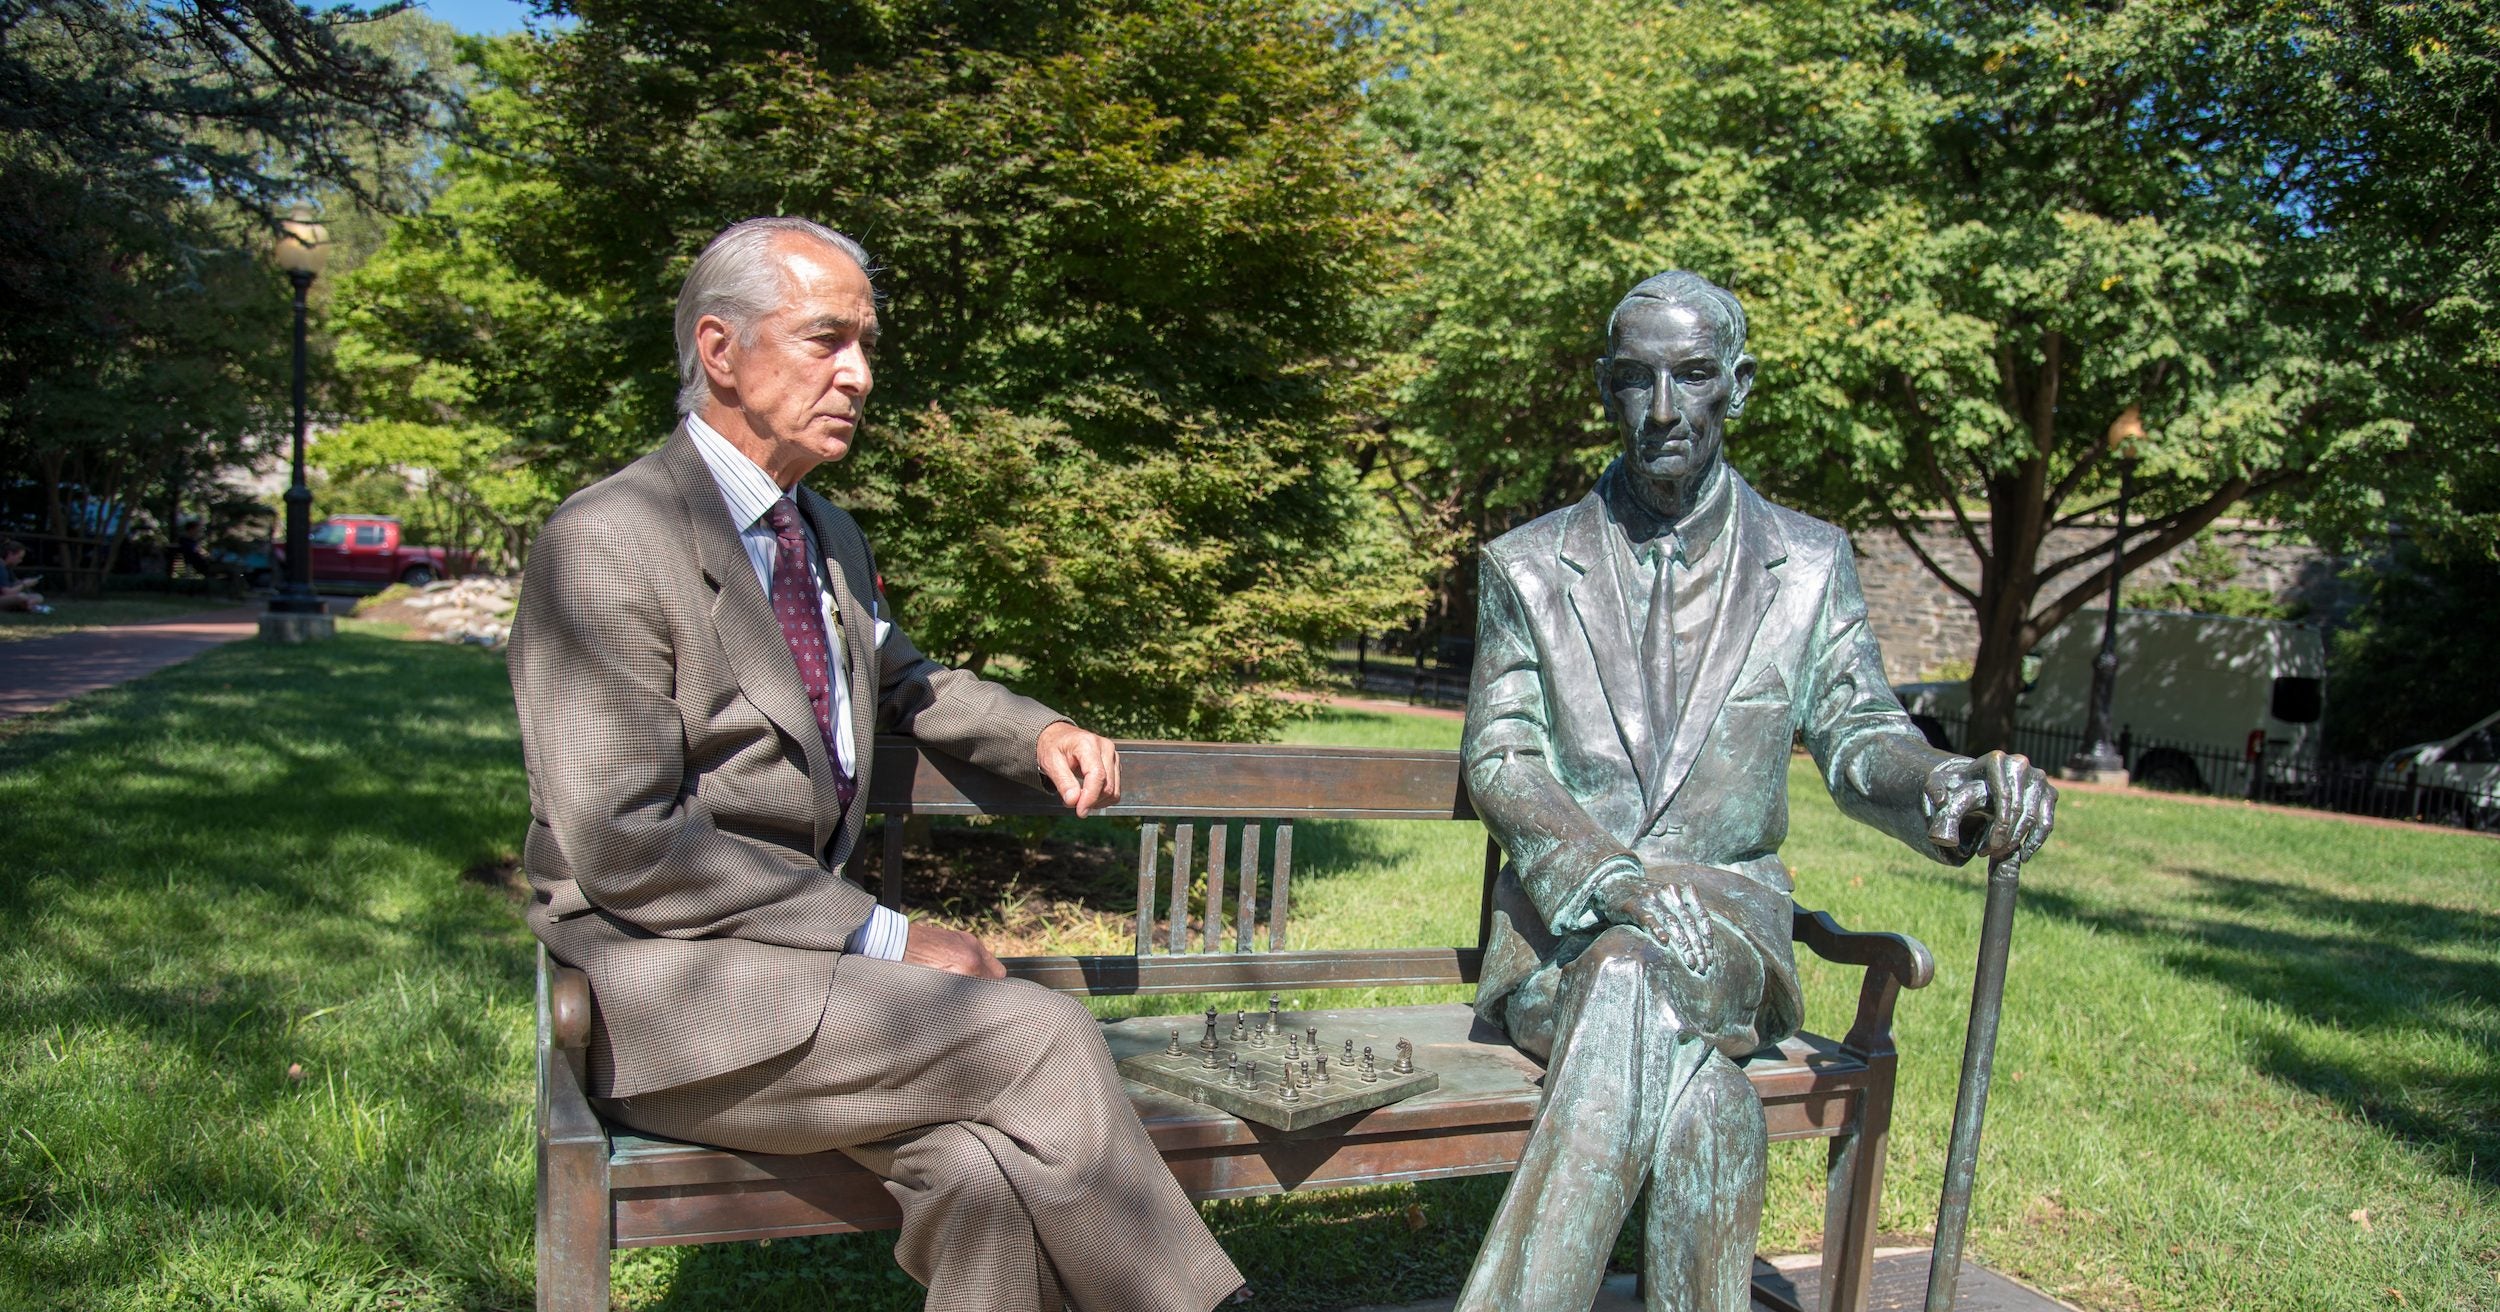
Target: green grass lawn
[[72, 614], [264, 1029]]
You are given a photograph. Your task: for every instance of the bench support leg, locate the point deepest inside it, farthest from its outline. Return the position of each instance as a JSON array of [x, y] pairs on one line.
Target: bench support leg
[[573, 1226], [1854, 1189]]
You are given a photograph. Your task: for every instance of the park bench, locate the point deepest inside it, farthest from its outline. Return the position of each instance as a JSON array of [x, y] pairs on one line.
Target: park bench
[[1228, 813]]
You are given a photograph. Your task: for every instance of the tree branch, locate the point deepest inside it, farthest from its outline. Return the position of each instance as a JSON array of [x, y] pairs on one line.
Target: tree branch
[[2183, 526], [1910, 540]]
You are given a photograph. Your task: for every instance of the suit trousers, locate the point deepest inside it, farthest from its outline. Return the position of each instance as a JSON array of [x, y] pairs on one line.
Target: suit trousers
[[994, 1114], [1637, 1093]]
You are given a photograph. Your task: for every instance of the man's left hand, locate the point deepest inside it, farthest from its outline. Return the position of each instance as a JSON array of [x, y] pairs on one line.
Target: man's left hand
[[1084, 767], [2014, 794]]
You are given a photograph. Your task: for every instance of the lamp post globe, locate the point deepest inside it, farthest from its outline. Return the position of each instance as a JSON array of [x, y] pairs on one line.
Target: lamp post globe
[[295, 614], [2098, 758]]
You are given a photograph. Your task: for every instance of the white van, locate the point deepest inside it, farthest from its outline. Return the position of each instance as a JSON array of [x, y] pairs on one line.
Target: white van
[[2199, 699]]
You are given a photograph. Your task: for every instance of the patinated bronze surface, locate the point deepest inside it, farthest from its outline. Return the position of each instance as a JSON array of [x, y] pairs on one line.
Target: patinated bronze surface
[[1643, 658]]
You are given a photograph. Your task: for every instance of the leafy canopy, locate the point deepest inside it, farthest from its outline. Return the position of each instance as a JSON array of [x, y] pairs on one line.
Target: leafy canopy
[[1971, 237], [1123, 250]]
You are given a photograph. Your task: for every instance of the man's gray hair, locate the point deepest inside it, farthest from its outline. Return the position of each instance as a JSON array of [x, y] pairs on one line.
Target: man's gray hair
[[1679, 287], [737, 280]]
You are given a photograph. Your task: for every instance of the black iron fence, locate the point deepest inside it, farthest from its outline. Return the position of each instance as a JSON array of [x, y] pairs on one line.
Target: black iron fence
[[2265, 773]]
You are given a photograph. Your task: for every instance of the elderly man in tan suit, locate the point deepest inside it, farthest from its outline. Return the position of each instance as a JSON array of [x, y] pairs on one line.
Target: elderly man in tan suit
[[701, 659]]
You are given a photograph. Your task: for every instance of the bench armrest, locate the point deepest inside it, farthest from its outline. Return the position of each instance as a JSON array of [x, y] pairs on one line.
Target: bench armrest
[[1893, 962], [1903, 957], [568, 1008]]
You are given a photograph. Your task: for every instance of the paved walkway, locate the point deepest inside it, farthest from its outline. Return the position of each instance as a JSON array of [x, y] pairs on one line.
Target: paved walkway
[[37, 674]]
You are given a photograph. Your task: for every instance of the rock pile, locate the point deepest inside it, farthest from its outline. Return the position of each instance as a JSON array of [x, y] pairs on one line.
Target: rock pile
[[473, 610]]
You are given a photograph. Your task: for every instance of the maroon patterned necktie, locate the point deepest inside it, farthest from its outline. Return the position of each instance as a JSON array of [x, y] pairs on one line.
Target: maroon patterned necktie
[[801, 609]]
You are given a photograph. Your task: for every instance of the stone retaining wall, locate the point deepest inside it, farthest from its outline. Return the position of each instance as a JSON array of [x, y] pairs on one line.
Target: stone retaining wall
[[1924, 627]]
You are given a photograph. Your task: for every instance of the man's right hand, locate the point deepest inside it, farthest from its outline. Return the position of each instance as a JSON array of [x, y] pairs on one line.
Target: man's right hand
[[1666, 909], [950, 950]]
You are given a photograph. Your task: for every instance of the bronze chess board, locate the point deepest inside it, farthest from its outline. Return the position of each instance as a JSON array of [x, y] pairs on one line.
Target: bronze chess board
[[1289, 1070]]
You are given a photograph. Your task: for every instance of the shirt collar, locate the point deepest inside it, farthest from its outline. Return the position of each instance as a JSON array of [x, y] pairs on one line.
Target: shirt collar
[[1690, 537], [744, 486]]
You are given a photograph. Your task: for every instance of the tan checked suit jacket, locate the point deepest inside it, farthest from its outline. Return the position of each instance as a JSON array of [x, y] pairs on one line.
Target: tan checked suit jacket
[[687, 846]]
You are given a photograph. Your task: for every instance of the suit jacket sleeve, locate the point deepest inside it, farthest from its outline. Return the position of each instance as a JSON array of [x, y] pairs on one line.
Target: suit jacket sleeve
[[1558, 851], [1874, 761], [593, 675]]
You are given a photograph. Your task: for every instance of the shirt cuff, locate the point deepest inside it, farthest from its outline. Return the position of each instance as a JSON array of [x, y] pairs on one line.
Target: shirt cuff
[[883, 936]]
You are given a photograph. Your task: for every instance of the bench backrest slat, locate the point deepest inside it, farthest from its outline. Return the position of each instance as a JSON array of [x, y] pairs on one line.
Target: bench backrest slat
[[1207, 780], [1147, 835]]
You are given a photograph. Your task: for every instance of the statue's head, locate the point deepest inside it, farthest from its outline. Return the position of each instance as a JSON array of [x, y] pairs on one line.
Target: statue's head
[[1675, 370]]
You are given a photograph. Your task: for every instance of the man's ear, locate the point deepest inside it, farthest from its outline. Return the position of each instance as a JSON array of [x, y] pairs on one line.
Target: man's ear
[[713, 340], [1743, 388]]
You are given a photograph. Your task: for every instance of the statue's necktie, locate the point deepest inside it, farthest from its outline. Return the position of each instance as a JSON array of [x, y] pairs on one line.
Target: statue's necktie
[[1658, 645], [801, 609]]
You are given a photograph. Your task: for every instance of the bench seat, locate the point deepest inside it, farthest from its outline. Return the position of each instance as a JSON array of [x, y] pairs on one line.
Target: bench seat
[[666, 1192]]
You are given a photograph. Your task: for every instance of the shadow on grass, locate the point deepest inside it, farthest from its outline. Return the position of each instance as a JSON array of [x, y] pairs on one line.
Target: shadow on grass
[[2386, 971], [233, 890]]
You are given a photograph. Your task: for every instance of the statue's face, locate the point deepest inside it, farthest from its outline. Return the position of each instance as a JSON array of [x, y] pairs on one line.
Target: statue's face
[[1668, 392]]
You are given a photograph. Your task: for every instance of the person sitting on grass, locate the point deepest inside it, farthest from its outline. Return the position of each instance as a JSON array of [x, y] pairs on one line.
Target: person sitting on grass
[[18, 593]]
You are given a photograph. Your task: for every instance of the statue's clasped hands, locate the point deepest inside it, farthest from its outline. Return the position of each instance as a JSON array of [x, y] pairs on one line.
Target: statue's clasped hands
[[1665, 909], [2005, 789]]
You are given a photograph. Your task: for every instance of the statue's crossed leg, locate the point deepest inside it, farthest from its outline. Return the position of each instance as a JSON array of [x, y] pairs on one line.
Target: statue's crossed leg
[[1636, 1091]]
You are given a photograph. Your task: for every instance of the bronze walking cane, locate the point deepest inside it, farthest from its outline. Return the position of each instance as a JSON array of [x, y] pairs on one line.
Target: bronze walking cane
[[1979, 1050]]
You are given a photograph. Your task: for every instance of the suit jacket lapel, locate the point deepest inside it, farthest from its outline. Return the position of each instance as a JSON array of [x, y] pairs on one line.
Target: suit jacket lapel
[[859, 652], [1597, 599], [1747, 587], [743, 616]]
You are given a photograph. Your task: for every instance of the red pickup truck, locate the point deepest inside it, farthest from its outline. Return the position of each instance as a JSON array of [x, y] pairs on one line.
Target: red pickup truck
[[368, 551]]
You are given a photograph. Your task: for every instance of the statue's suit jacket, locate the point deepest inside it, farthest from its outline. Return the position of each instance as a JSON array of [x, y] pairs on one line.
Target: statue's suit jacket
[[687, 840], [1562, 766]]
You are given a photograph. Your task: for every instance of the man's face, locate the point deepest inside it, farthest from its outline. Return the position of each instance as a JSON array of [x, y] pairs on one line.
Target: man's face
[[1666, 389], [802, 378]]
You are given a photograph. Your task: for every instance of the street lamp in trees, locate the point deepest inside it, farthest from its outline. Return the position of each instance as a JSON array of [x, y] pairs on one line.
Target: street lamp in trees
[[2098, 758], [295, 614]]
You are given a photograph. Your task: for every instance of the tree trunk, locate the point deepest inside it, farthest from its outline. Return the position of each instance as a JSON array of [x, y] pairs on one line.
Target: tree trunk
[[2008, 582]]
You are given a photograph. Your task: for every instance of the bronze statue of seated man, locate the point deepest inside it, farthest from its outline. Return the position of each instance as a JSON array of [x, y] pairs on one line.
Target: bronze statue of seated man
[[1644, 658]]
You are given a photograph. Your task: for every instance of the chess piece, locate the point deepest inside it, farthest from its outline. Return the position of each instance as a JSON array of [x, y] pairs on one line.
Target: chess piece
[[1293, 1047], [1210, 1058], [1347, 1058], [1406, 1058], [1371, 1069], [1310, 1039], [1172, 1048], [1320, 1072], [1274, 1001], [1208, 1043], [1302, 1075], [1286, 1088], [1241, 1026], [1232, 1072]]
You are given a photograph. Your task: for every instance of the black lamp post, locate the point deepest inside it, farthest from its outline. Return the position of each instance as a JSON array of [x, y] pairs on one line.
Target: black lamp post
[[2098, 758], [295, 614]]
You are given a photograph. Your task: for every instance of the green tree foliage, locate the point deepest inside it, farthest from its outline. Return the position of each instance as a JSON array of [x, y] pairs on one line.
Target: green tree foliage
[[459, 487], [142, 148], [2413, 661], [1971, 237], [2205, 583], [1123, 253]]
